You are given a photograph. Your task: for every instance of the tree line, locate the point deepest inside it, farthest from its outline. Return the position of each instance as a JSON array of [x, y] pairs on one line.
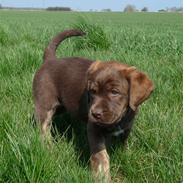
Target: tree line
[[128, 8], [132, 8]]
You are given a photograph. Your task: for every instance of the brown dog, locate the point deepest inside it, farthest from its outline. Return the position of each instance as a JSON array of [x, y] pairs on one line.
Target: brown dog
[[104, 94]]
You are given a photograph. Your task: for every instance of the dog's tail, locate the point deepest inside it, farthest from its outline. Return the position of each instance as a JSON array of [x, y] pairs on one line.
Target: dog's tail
[[50, 51]]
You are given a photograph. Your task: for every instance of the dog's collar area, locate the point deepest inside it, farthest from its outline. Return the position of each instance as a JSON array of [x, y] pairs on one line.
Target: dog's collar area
[[118, 131], [119, 128], [115, 130]]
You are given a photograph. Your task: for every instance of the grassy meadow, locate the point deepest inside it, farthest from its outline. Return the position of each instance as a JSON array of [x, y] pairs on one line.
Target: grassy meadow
[[153, 42]]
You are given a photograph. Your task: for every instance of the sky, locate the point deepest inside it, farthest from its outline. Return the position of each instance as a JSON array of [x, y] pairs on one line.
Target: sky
[[84, 5]]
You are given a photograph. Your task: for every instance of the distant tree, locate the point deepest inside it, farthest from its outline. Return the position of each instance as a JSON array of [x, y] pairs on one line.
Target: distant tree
[[145, 9], [106, 10], [161, 10], [180, 9], [175, 9], [1, 6], [130, 8], [59, 9]]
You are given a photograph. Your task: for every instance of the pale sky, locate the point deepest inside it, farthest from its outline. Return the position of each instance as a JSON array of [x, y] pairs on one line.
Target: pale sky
[[84, 5]]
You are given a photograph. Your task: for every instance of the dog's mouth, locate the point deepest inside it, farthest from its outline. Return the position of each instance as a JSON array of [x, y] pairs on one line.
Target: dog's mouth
[[107, 125]]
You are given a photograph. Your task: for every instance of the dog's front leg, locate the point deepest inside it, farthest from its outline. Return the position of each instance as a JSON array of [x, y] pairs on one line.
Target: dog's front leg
[[99, 158], [100, 166]]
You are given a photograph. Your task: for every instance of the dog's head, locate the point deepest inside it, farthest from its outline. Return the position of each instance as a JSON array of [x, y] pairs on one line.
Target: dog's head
[[112, 88]]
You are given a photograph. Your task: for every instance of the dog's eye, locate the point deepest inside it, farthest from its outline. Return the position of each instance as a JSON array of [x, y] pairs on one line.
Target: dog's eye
[[115, 92]]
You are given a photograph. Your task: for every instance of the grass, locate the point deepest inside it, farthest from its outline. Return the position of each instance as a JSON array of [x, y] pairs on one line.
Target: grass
[[151, 42], [95, 36]]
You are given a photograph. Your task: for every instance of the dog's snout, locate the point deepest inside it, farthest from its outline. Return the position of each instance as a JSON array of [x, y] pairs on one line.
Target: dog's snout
[[97, 113]]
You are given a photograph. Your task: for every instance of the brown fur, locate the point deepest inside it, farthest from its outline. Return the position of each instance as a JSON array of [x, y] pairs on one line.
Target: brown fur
[[104, 94]]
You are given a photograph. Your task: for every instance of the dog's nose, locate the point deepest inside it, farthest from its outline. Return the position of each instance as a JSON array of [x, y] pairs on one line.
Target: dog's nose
[[97, 114]]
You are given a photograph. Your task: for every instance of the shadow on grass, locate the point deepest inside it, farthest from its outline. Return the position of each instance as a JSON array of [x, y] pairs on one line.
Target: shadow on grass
[[74, 131]]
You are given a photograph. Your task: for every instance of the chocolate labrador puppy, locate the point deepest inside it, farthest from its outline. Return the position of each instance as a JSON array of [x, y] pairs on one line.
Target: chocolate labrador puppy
[[106, 95]]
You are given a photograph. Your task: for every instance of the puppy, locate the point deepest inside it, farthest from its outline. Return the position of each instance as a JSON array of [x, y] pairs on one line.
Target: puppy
[[106, 95]]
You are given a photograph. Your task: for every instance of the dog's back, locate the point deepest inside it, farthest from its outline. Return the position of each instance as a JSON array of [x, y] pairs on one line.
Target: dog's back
[[59, 82]]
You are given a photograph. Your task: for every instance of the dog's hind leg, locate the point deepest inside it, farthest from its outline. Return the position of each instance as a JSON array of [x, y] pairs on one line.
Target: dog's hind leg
[[44, 118], [45, 100]]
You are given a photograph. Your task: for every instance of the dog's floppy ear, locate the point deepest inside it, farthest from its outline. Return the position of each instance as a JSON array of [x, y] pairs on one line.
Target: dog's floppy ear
[[91, 70], [94, 67], [140, 86]]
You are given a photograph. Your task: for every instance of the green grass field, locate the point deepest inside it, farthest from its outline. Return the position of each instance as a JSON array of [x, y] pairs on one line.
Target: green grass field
[[153, 42]]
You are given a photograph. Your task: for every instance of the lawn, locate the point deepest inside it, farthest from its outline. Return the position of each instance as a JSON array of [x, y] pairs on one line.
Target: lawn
[[153, 42]]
